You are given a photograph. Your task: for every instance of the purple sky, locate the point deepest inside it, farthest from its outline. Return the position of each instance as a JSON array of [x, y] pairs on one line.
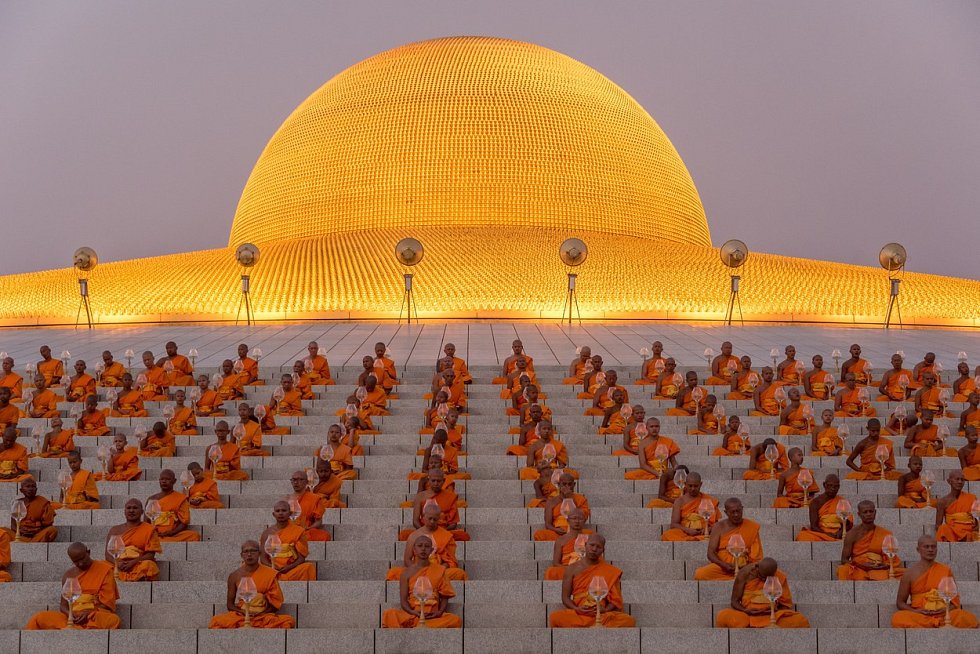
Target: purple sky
[[813, 129]]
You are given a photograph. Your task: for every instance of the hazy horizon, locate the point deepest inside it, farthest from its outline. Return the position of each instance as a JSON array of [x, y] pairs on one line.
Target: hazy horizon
[[815, 130]]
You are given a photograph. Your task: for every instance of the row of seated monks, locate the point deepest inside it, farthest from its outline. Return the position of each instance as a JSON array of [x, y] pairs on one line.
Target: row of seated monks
[[591, 590]]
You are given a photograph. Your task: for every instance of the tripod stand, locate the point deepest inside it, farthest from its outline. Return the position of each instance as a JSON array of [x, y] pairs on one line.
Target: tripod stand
[[83, 302], [893, 302], [734, 300], [408, 301], [246, 282], [571, 300]]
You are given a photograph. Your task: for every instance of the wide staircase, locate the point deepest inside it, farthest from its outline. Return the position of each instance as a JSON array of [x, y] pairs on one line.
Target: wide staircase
[[505, 604]]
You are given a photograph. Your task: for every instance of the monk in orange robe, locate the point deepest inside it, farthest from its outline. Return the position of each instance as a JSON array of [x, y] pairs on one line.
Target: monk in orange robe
[[602, 396], [289, 558], [867, 449], [576, 369], [631, 435], [50, 368], [95, 607], [247, 367], [790, 371], [851, 401], [443, 546], [963, 386], [515, 382], [592, 378], [651, 368], [83, 493], [690, 400], [13, 457], [338, 455], [262, 610], [969, 456], [570, 547], [895, 383], [656, 454], [818, 384], [410, 613], [58, 442], [231, 387], [250, 433], [228, 464], [158, 442], [92, 421], [203, 493], [510, 363], [546, 448], [750, 608], [721, 560], [319, 368], [44, 403], [796, 419], [932, 398], [825, 524], [710, 418], [82, 385], [112, 371], [970, 417], [761, 468], [687, 520], [919, 603], [210, 400], [302, 381], [138, 561], [175, 511], [311, 507], [11, 380], [764, 397], [38, 524], [391, 373], [376, 400], [790, 493], [924, 439], [862, 555], [912, 493], [459, 365], [581, 609], [824, 440], [667, 489], [744, 382], [733, 441], [556, 509], [723, 367], [181, 371], [328, 485], [860, 368], [954, 513], [124, 462], [445, 497], [129, 401], [183, 422], [153, 381], [5, 577], [9, 414], [927, 365]]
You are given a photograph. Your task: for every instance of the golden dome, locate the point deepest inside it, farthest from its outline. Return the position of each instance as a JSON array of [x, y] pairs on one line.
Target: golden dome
[[469, 131]]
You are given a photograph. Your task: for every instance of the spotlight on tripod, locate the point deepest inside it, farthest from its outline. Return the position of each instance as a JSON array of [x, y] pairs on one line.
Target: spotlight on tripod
[[733, 254], [892, 258], [247, 255], [85, 259], [572, 252], [409, 252]]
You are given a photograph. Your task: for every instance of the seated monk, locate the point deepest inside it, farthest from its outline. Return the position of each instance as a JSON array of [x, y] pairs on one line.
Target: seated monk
[[95, 608], [529, 431], [210, 401], [230, 389], [38, 523], [124, 462], [158, 442], [382, 360], [154, 381], [432, 611], [576, 369], [690, 400], [925, 440], [954, 512], [442, 365], [581, 609], [517, 380], [548, 449], [963, 386], [328, 485], [5, 576], [760, 467], [826, 524], [750, 608], [656, 454], [262, 610], [83, 493], [11, 380], [851, 401], [734, 442], [790, 371], [447, 456], [13, 457], [289, 404], [570, 547], [818, 384], [635, 431], [58, 442], [287, 556], [797, 418], [81, 385], [722, 551], [556, 509], [790, 494], [129, 401], [927, 365], [248, 367], [92, 420], [138, 561], [445, 498], [919, 603], [311, 507], [764, 398], [9, 414], [318, 368], [603, 396], [710, 417], [824, 440], [744, 382], [897, 425], [203, 493], [870, 448], [302, 381], [969, 456], [669, 383], [248, 432], [224, 459], [932, 398], [723, 367], [459, 365], [112, 371], [858, 366], [651, 368], [528, 398], [912, 493], [970, 416], [44, 403], [338, 455], [894, 386], [593, 377], [183, 422], [667, 489], [376, 401], [351, 436], [50, 368], [174, 515], [862, 556], [510, 363], [180, 371], [529, 415], [443, 546], [688, 521]]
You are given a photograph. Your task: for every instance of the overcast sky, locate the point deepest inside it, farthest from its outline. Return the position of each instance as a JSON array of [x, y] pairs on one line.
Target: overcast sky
[[812, 129]]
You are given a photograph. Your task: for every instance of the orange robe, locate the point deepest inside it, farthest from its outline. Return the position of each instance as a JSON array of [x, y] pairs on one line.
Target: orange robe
[[611, 614], [753, 597], [174, 508], [616, 425], [229, 466], [745, 386], [45, 404], [798, 425], [81, 387], [399, 619], [443, 553], [672, 492], [98, 585], [140, 540], [205, 490], [820, 383], [709, 425], [827, 442], [972, 420], [914, 496], [230, 388], [649, 374], [320, 374], [330, 491], [376, 401], [924, 595], [560, 461], [689, 406], [579, 375], [764, 469], [851, 405], [5, 577], [859, 368], [767, 400], [250, 370], [184, 422], [957, 524], [342, 463], [155, 388], [867, 550], [158, 446], [962, 394], [971, 471], [82, 494], [893, 390], [251, 444], [59, 445], [291, 404], [183, 372], [569, 555], [930, 400], [293, 545], [9, 416], [268, 594], [93, 424], [125, 465], [733, 445], [448, 503], [312, 507], [13, 463], [793, 498], [649, 453], [15, 383], [871, 469], [559, 521], [829, 524], [40, 512], [52, 370], [130, 405], [209, 404], [749, 531], [112, 375], [926, 443], [691, 519], [724, 377], [606, 400]]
